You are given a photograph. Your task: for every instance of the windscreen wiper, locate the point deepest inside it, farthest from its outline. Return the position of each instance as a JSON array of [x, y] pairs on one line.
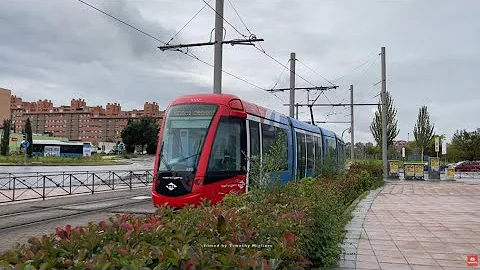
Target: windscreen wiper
[[163, 160]]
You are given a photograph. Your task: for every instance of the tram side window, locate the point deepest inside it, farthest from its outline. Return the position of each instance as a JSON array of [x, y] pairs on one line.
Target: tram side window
[[331, 156], [254, 140], [318, 150], [268, 138], [310, 150], [281, 137], [300, 155], [318, 156], [340, 152], [229, 143], [275, 136]]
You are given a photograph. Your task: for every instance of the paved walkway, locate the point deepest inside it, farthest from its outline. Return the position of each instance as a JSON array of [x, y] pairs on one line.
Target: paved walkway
[[420, 225]]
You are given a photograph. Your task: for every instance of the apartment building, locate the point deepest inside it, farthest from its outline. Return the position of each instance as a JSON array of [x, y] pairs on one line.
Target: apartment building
[[4, 105], [78, 121]]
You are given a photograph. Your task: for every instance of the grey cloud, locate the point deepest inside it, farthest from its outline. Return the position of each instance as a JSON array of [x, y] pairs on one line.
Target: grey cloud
[[61, 49]]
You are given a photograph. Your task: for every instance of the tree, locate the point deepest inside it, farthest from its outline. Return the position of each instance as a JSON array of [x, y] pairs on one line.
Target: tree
[[143, 132], [5, 142], [423, 130], [371, 151], [392, 123], [29, 137], [465, 146]]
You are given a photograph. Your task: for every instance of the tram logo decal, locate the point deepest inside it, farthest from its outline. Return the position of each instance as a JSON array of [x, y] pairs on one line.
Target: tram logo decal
[[171, 186], [240, 185]]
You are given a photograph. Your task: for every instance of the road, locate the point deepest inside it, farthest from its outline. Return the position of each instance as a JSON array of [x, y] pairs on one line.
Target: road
[[138, 163], [21, 221]]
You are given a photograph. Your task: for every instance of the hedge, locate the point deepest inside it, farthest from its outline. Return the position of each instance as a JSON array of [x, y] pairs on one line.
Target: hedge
[[296, 226]]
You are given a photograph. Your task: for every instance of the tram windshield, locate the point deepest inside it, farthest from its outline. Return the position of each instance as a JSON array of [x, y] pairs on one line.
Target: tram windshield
[[184, 133]]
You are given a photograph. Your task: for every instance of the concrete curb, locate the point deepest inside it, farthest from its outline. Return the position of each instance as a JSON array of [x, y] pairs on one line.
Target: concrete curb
[[354, 230]]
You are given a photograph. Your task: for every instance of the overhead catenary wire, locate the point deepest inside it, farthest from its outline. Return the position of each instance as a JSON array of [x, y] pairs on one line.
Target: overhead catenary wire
[[276, 83], [190, 54], [312, 70], [279, 77], [189, 21], [223, 18], [238, 15], [244, 24], [121, 21], [368, 91], [261, 50], [278, 62], [352, 71], [228, 73], [187, 53], [375, 59]]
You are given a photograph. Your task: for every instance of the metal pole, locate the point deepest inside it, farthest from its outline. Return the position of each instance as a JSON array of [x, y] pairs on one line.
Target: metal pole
[[384, 115], [217, 70], [296, 112], [292, 85], [352, 124]]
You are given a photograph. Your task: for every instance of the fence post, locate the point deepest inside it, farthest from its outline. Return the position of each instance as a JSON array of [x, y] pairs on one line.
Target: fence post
[[70, 189], [93, 181], [43, 194], [13, 197], [131, 180], [63, 179], [112, 176]]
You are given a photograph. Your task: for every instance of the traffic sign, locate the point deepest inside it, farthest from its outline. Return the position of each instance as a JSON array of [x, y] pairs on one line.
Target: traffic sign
[[437, 144], [25, 144]]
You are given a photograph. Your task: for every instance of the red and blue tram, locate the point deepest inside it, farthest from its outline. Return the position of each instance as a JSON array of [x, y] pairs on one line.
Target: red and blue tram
[[204, 139]]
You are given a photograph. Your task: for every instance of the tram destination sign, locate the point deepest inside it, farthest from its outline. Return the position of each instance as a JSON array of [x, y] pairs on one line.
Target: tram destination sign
[[193, 110]]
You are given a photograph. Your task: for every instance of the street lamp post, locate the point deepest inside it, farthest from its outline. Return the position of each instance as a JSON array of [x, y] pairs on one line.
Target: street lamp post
[[344, 132]]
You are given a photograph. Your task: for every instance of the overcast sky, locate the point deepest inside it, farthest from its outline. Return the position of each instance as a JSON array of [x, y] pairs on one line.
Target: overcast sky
[[62, 49]]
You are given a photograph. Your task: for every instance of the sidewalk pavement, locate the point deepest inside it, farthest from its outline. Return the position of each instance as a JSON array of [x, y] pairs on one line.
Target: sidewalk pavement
[[415, 225]]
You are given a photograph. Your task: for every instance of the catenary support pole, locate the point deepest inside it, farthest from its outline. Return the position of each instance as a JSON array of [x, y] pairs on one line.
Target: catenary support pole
[[352, 133], [384, 115], [217, 69], [292, 84]]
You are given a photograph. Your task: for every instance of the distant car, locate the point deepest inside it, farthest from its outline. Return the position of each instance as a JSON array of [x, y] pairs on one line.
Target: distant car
[[467, 166]]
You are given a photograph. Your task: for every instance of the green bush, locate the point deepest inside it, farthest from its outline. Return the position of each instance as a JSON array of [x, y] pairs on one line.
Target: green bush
[[294, 226]]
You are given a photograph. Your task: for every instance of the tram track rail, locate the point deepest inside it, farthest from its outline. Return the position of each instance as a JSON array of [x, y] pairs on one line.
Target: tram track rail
[[70, 208]]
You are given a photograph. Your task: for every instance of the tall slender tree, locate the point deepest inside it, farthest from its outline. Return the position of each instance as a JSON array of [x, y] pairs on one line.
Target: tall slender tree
[[423, 130], [29, 137], [392, 123], [5, 142]]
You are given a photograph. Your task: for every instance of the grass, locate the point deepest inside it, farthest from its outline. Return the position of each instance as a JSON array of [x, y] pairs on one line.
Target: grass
[[92, 160]]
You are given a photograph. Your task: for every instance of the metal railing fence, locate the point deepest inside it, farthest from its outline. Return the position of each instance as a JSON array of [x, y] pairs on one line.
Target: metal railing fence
[[42, 185]]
